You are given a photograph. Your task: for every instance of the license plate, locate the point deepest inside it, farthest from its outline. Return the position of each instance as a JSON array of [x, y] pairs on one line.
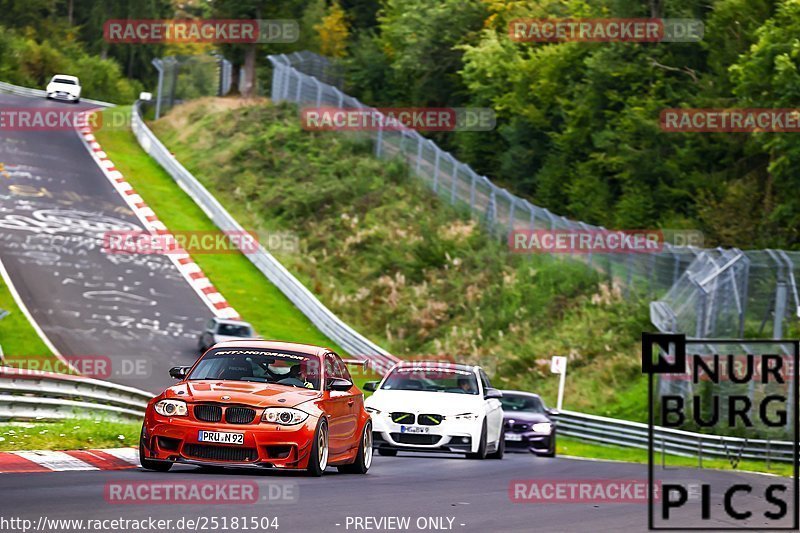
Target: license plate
[[513, 437], [414, 429], [221, 437]]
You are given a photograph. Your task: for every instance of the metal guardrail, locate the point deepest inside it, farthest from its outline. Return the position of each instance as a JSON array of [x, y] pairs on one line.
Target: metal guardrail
[[25, 91], [35, 395], [328, 323], [669, 441]]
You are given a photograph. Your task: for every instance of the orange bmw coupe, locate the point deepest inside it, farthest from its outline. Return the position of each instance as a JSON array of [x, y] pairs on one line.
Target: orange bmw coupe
[[260, 404]]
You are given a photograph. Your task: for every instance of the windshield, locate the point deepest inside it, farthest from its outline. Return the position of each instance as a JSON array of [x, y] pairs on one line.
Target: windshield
[[432, 380], [260, 366], [529, 404], [233, 330], [64, 81]]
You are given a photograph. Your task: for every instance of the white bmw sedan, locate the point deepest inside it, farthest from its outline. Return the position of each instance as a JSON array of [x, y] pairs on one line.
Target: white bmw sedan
[[436, 406], [63, 87]]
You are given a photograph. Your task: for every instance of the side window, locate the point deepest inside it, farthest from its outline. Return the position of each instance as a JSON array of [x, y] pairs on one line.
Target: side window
[[341, 369], [330, 368], [484, 380]]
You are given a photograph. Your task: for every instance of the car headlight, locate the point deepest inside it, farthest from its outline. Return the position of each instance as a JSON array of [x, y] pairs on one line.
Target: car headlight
[[373, 410], [466, 416], [542, 427], [285, 416], [171, 408]]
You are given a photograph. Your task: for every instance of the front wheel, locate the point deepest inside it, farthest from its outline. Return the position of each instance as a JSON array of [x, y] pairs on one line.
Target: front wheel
[[552, 451], [318, 461], [501, 446], [364, 456], [481, 453], [149, 464]]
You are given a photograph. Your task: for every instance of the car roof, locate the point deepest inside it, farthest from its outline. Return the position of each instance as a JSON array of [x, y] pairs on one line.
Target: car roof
[[231, 321], [309, 349], [521, 393], [66, 76], [422, 364]]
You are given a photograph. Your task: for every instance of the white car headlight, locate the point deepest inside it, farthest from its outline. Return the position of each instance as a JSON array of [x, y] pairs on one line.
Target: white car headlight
[[285, 416], [466, 416], [171, 408], [542, 427]]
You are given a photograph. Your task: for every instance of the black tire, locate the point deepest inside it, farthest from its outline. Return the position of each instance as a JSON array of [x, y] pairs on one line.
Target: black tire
[[316, 461], [387, 452], [481, 453], [364, 456], [149, 464], [501, 445], [552, 451]]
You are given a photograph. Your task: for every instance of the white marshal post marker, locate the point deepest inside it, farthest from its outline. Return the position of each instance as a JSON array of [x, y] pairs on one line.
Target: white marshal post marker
[[558, 365]]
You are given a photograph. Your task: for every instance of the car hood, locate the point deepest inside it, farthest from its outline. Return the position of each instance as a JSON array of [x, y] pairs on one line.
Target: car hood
[[241, 392], [223, 338], [445, 403], [525, 416], [63, 87]]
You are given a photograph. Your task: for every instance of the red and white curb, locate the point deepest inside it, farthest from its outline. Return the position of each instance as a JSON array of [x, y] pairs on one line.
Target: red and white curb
[[190, 270], [69, 460]]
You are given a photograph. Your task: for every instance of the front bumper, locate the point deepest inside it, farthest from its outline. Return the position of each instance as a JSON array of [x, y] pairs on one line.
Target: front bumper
[[60, 95], [448, 436], [530, 442], [265, 445]]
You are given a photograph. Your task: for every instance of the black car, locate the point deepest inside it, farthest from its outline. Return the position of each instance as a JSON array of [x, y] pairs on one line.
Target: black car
[[528, 424]]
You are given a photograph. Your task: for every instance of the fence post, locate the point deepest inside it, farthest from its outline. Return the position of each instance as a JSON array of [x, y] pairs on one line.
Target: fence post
[[436, 169], [160, 68], [319, 90], [298, 93], [454, 181], [379, 139], [472, 192], [700, 452], [419, 154], [490, 209]]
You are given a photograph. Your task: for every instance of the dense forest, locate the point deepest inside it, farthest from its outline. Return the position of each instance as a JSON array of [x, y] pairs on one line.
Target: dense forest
[[578, 123]]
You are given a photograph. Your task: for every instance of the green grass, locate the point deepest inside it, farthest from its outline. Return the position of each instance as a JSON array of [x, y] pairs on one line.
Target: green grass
[[246, 289], [19, 340], [571, 447], [73, 434], [408, 270]]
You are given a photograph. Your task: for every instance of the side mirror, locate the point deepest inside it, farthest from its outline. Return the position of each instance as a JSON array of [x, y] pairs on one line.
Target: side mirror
[[339, 384], [492, 394], [551, 411], [179, 372], [371, 386]]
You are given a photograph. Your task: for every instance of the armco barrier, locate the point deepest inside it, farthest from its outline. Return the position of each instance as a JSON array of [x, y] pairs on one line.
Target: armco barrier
[[616, 432], [35, 395], [25, 91], [351, 341]]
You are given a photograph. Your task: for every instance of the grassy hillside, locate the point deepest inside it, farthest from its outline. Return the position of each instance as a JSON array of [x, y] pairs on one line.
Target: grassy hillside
[[403, 268]]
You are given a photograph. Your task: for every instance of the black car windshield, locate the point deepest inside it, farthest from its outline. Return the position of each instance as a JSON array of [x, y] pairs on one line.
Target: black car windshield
[[434, 379], [529, 404], [233, 330], [64, 81], [259, 366]]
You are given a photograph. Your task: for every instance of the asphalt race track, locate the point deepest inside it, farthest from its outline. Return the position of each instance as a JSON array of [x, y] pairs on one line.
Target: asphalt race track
[[464, 495], [138, 310], [135, 312]]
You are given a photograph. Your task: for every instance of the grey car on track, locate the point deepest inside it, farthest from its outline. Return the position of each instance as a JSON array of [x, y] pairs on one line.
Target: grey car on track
[[224, 329]]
